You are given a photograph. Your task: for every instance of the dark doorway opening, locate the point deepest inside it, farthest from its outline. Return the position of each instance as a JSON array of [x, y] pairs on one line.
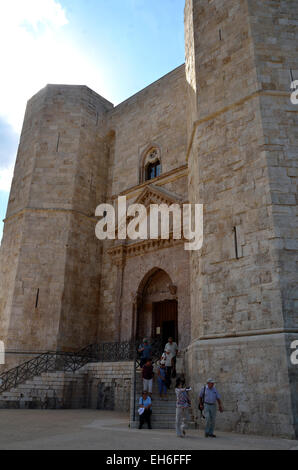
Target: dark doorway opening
[[165, 320], [168, 330]]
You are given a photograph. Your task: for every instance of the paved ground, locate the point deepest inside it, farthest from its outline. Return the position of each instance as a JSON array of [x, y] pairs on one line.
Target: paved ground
[[104, 430]]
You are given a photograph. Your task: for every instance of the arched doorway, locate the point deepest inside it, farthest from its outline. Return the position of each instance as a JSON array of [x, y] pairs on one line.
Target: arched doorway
[[165, 320], [158, 307]]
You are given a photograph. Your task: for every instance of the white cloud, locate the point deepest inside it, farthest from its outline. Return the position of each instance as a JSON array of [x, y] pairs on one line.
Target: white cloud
[[36, 48], [34, 12], [39, 50]]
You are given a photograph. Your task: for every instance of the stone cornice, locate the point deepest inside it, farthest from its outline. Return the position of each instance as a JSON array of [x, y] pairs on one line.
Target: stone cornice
[[129, 250], [227, 108], [161, 180], [26, 210]]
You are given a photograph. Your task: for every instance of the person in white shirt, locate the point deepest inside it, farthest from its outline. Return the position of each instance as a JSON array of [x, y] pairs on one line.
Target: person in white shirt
[[183, 404], [172, 348]]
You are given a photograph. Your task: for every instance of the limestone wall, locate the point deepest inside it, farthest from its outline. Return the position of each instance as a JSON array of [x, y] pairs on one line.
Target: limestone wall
[[102, 386], [109, 386], [50, 287], [155, 115], [241, 168], [275, 32], [252, 378]]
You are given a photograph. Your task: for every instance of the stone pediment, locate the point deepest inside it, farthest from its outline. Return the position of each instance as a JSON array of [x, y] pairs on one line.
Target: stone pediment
[[153, 194], [127, 248]]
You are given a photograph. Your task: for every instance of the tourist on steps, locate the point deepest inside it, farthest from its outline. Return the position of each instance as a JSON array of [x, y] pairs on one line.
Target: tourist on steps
[[168, 362], [172, 347], [145, 410], [161, 377], [148, 374], [145, 351]]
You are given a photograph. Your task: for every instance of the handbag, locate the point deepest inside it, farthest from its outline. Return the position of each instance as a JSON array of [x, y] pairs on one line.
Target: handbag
[[201, 407]]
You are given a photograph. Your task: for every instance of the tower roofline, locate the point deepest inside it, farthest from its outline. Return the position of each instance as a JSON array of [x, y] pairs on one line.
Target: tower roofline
[[61, 85], [151, 84]]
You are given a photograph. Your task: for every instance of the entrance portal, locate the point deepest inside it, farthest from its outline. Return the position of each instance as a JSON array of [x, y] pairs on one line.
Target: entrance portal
[[165, 320], [157, 314]]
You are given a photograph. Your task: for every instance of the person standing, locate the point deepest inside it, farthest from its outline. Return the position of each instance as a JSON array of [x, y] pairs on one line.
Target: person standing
[[147, 374], [168, 364], [172, 347], [146, 352], [208, 398], [182, 406], [145, 410], [161, 377]]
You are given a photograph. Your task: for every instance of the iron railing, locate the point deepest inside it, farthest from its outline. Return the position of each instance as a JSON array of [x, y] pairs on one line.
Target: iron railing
[[73, 361], [46, 362], [66, 362], [156, 349], [112, 352]]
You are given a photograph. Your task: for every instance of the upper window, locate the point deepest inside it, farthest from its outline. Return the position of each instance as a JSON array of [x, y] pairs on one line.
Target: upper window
[[153, 170], [152, 165]]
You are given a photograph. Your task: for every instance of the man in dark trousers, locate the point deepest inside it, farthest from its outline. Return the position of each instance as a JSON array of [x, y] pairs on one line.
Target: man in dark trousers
[[145, 410]]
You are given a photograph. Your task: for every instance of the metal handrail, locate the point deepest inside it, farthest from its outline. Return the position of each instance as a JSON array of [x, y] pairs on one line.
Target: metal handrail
[[73, 361], [65, 362]]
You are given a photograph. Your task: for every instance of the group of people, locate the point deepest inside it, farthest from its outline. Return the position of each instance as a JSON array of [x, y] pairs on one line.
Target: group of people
[[165, 372], [207, 400]]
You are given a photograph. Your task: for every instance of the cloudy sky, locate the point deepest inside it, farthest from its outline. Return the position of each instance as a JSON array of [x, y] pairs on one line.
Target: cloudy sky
[[116, 47]]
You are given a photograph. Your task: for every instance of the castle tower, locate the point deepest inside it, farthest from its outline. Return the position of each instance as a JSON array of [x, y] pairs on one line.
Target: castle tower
[[50, 257], [242, 155]]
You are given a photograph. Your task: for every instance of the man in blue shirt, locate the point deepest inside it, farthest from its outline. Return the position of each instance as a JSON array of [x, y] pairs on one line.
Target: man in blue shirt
[[146, 352], [145, 410], [208, 398]]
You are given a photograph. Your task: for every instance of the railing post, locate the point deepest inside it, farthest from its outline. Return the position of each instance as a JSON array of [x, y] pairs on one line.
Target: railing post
[[134, 385]]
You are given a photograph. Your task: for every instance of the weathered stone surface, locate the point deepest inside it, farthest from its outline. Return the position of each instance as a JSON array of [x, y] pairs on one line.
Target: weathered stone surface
[[96, 386], [225, 131], [241, 148]]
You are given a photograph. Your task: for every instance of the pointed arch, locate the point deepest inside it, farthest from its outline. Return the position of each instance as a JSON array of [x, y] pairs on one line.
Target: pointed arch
[[150, 156], [157, 305]]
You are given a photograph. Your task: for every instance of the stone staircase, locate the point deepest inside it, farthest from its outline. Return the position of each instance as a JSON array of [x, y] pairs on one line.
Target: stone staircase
[[52, 390], [163, 412], [89, 387]]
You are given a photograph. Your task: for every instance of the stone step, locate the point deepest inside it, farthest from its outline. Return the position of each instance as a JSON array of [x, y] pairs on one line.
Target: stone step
[[167, 406], [169, 417], [161, 425]]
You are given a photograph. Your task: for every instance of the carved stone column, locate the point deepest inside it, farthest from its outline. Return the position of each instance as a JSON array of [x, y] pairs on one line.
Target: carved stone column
[[136, 301], [120, 261]]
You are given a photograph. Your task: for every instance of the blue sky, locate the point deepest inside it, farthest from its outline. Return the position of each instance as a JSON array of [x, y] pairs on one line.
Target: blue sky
[[116, 47]]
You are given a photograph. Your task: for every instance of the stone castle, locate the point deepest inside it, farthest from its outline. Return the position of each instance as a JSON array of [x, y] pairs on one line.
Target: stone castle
[[220, 131]]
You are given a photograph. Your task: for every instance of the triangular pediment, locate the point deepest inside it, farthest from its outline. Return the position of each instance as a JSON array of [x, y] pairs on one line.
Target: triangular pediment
[[151, 195], [157, 195]]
